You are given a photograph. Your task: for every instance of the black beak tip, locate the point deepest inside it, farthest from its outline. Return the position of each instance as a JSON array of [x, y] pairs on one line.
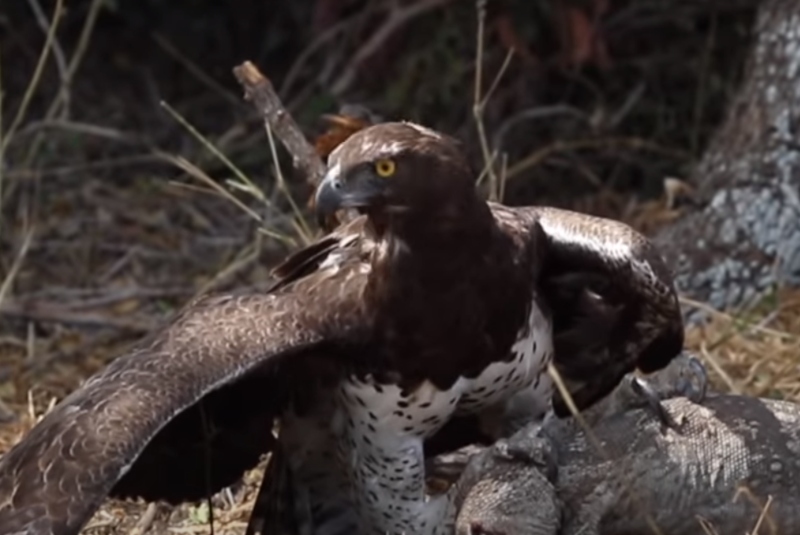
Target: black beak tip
[[327, 200]]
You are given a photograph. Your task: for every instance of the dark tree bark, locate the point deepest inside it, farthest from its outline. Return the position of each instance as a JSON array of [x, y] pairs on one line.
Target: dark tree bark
[[744, 239]]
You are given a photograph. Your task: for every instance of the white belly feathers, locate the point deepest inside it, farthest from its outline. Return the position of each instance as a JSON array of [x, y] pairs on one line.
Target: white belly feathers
[[381, 430]]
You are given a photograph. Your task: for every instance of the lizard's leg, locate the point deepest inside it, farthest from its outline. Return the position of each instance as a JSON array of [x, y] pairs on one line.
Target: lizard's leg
[[505, 491], [530, 446]]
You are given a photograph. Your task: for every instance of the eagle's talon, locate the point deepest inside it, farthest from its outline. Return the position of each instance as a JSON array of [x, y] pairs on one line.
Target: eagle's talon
[[653, 401]]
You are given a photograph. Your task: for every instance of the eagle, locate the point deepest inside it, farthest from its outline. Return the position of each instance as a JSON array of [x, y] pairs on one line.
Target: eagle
[[432, 304]]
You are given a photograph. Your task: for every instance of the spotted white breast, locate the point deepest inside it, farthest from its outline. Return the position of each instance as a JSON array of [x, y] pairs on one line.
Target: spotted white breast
[[380, 432]]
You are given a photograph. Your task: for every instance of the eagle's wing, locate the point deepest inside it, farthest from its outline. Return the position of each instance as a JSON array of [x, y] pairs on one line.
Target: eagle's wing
[[613, 301], [189, 408]]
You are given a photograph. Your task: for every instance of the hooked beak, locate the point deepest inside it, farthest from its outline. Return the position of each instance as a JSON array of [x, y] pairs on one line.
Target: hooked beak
[[334, 193]]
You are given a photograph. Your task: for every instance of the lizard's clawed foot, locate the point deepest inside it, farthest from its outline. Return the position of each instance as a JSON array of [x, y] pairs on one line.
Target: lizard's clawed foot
[[530, 446]]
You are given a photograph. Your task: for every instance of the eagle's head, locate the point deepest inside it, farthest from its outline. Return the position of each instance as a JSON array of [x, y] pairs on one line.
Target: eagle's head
[[404, 177]]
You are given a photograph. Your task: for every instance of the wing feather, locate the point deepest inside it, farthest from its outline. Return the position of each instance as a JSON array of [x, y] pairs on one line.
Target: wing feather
[[614, 304], [54, 479]]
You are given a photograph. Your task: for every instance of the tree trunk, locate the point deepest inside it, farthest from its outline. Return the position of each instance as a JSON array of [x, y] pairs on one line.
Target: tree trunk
[[744, 239]]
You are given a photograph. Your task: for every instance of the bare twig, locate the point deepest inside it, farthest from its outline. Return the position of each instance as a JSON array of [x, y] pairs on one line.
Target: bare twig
[[86, 36], [66, 170], [194, 69], [61, 102], [2, 151], [194, 171], [631, 143], [756, 327], [299, 222], [43, 361], [145, 521], [245, 183], [34, 83], [59, 315], [244, 258], [259, 90], [398, 15], [535, 114], [320, 40], [87, 129], [7, 135], [113, 296], [5, 287], [479, 105], [58, 51]]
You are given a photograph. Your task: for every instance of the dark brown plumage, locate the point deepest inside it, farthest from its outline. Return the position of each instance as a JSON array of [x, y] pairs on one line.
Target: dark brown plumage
[[431, 305]]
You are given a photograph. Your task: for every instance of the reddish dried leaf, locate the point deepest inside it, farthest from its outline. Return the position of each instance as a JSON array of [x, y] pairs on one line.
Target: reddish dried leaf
[[342, 127]]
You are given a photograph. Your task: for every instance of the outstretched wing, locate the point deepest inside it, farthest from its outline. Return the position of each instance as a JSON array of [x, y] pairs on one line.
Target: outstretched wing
[[188, 409], [613, 301]]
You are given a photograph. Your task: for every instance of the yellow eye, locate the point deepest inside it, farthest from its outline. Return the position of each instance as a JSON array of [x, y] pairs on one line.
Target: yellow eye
[[385, 168]]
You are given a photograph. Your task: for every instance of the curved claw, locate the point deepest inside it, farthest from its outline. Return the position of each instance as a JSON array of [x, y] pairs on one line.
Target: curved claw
[[653, 400]]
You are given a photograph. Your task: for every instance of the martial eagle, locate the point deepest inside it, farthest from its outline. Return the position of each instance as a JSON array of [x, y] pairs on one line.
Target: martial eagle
[[432, 303]]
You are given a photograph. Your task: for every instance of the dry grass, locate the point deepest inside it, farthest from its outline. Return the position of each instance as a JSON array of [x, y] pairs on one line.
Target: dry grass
[[87, 265]]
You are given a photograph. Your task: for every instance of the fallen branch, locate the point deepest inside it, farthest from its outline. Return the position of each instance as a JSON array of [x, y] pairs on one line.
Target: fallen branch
[[68, 302], [70, 317], [35, 365], [259, 90]]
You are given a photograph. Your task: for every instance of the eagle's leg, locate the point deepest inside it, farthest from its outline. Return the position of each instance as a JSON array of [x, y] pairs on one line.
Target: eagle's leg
[[647, 393], [689, 371], [381, 436], [320, 488], [274, 511]]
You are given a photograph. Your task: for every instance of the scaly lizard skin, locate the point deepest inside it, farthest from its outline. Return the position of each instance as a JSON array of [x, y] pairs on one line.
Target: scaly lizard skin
[[730, 454]]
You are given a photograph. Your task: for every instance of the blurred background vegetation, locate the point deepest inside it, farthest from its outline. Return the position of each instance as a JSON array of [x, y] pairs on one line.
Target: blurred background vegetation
[[105, 227], [632, 89]]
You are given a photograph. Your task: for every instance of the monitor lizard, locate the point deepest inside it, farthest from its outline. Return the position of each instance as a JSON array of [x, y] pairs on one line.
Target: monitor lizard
[[733, 463]]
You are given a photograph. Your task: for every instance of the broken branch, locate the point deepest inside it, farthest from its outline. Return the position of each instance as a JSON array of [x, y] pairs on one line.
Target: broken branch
[[259, 90]]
